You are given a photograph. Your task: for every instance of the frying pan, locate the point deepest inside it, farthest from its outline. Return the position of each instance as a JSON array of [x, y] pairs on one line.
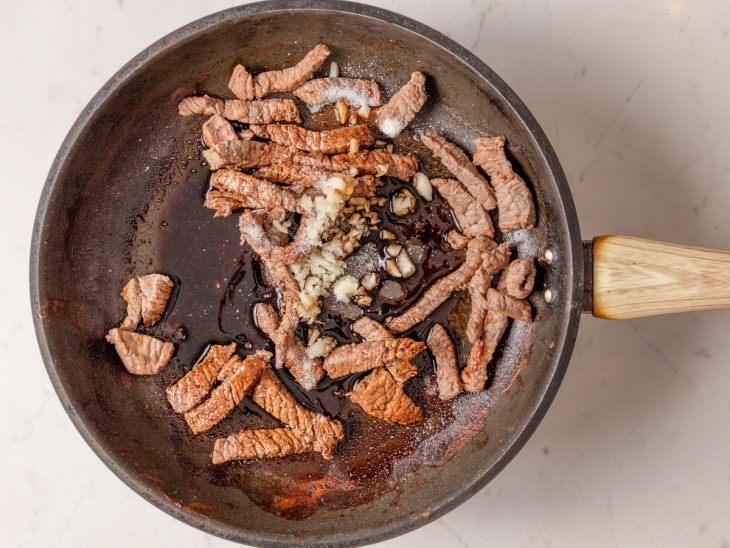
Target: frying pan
[[103, 217]]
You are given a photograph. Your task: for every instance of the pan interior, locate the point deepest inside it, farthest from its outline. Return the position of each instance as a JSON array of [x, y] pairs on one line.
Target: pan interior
[[126, 200]]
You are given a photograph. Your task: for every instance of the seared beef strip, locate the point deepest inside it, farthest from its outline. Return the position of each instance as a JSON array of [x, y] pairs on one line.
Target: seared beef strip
[[246, 154], [146, 298], [252, 193], [520, 278], [516, 208], [400, 166], [191, 389], [382, 397], [493, 262], [458, 163], [290, 351], [260, 444], [354, 358], [370, 330], [323, 91], [319, 430], [245, 86], [246, 112], [331, 141], [293, 173], [396, 114], [474, 374], [473, 219], [217, 129], [509, 306], [443, 288], [223, 203], [140, 354], [229, 393], [447, 372]]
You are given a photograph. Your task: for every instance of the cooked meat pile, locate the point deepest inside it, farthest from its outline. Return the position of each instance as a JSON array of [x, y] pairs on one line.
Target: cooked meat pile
[[306, 199]]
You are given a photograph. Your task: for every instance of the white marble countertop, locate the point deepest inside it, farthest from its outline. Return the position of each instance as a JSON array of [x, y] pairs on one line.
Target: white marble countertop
[[634, 97]]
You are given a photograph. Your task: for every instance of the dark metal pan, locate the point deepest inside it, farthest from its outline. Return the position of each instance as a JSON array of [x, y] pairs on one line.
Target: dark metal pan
[[130, 162]]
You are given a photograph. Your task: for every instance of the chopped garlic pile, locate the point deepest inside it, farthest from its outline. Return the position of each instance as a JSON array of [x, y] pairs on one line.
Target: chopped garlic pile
[[322, 268]]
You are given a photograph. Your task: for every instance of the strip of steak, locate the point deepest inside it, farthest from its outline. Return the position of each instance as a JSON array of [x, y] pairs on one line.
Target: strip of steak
[[458, 163], [400, 166], [502, 303], [382, 397], [447, 372], [520, 278], [473, 219], [396, 114], [495, 260], [140, 354], [146, 298], [443, 287], [255, 193], [246, 154], [260, 444], [323, 91], [474, 374], [191, 389], [290, 351], [355, 358], [516, 208], [223, 203], [247, 112], [228, 394], [331, 141], [370, 330], [321, 431], [217, 129], [294, 173], [245, 86]]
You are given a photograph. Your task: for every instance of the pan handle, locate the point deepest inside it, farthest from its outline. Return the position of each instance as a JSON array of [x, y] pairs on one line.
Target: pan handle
[[633, 277]]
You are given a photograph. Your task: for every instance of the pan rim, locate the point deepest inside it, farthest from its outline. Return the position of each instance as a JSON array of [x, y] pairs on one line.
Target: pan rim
[[565, 342]]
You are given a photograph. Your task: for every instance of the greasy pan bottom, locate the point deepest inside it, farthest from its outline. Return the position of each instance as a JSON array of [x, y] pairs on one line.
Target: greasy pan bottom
[[121, 199]]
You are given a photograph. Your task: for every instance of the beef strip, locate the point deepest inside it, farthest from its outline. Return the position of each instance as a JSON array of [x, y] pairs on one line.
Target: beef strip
[[251, 193], [290, 351], [382, 397], [396, 114], [246, 154], [400, 166], [443, 288], [223, 203], [331, 141], [260, 444], [473, 219], [456, 239], [500, 302], [245, 86], [514, 201], [370, 330], [447, 372], [229, 393], [191, 389], [520, 278], [146, 298], [458, 163], [141, 354], [355, 358], [217, 129], [317, 429], [253, 233], [323, 91], [246, 112], [495, 260], [290, 172], [474, 374]]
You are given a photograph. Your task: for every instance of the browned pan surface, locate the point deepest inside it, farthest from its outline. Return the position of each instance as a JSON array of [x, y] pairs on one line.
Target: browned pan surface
[[124, 197]]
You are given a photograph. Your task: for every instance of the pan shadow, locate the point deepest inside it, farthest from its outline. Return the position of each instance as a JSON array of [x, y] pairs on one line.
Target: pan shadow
[[633, 407]]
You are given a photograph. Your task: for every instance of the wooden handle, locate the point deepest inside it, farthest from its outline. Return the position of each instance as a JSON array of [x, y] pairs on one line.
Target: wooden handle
[[634, 278]]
